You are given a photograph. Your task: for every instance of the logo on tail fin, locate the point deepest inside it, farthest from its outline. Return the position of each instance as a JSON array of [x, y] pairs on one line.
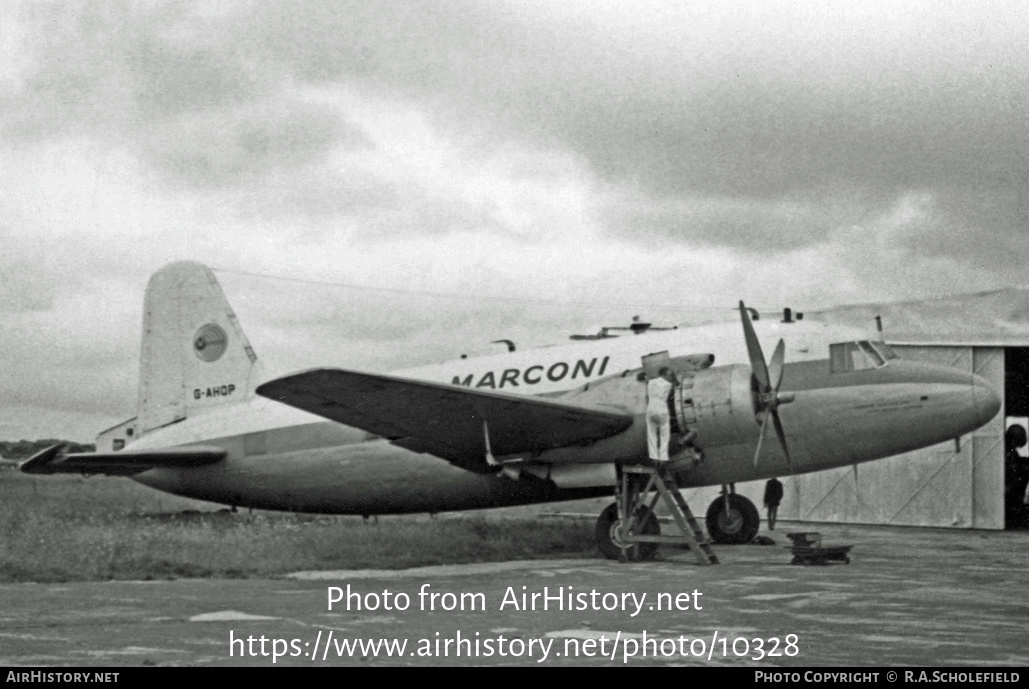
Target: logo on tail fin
[[210, 342]]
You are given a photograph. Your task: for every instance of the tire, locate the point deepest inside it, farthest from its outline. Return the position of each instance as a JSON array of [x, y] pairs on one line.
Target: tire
[[739, 525], [607, 538]]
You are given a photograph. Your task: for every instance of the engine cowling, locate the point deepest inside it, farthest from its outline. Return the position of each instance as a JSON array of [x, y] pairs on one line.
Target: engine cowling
[[718, 403]]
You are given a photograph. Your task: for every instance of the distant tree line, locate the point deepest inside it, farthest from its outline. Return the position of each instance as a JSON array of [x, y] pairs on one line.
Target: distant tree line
[[23, 449]]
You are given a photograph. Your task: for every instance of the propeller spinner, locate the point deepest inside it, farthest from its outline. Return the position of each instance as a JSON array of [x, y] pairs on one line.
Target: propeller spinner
[[768, 379]]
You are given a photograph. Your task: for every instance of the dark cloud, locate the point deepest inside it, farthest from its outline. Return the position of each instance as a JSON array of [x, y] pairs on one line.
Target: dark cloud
[[244, 146], [756, 106], [759, 105], [752, 224], [987, 228], [170, 79], [742, 115], [189, 102]]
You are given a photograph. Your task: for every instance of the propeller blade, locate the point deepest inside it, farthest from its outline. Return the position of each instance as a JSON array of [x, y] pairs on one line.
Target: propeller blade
[[776, 367], [757, 357], [782, 435], [761, 439], [769, 378]]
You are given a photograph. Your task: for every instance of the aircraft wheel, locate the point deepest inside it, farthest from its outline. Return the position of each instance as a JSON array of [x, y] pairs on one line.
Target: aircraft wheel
[[738, 524], [608, 532]]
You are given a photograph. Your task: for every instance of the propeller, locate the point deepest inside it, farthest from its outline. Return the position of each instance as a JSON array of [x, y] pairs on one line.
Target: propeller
[[768, 379]]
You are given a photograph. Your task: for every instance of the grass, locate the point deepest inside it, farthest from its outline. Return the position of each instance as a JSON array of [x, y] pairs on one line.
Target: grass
[[63, 528]]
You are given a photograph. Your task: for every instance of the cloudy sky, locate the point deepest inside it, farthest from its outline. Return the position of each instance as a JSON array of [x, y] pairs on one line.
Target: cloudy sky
[[653, 158]]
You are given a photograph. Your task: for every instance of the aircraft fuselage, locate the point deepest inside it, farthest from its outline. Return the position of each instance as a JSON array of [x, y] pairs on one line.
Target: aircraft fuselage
[[283, 458]]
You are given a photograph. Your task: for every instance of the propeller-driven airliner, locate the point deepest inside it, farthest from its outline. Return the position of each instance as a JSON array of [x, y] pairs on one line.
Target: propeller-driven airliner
[[519, 427]]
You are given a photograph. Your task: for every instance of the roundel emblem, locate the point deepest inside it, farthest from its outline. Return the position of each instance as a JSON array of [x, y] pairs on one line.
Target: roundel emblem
[[209, 342]]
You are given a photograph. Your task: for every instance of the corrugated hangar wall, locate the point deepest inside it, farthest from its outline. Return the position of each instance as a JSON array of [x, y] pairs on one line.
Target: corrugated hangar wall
[[935, 486]]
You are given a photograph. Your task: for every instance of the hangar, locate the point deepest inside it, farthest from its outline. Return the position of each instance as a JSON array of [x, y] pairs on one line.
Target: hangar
[[946, 485]]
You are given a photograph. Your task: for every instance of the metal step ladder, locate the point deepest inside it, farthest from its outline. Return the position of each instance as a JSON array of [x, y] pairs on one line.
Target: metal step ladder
[[635, 482]]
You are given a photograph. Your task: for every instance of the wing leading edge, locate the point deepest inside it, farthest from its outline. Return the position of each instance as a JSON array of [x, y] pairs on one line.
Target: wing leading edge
[[444, 420], [54, 460]]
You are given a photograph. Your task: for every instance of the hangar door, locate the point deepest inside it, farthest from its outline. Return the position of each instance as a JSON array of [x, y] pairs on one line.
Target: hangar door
[[935, 486]]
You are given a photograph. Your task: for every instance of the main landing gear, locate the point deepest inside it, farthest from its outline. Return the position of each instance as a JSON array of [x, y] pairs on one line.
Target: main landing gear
[[732, 518], [608, 533], [628, 530]]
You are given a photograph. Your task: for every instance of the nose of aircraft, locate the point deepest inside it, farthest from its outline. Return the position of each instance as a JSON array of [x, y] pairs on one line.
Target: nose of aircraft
[[986, 401], [955, 401]]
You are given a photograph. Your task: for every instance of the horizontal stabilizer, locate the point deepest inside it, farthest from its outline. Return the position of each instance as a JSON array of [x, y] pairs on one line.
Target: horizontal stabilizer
[[444, 420], [54, 460]]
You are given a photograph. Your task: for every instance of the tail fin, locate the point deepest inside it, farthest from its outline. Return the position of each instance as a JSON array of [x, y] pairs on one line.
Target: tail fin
[[194, 354]]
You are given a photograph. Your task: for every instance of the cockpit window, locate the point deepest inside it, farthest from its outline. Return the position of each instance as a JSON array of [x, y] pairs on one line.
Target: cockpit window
[[858, 356], [885, 350], [872, 353]]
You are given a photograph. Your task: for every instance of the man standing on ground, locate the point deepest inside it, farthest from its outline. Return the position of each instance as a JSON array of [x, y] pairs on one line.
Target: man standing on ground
[[773, 496]]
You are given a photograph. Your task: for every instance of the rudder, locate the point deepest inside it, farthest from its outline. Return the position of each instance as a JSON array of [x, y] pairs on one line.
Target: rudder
[[194, 354]]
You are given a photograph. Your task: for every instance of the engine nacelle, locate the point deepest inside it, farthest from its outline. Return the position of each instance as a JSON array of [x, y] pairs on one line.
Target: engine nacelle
[[718, 403]]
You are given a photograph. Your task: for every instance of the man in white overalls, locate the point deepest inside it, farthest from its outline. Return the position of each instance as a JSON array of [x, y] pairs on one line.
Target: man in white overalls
[[659, 423]]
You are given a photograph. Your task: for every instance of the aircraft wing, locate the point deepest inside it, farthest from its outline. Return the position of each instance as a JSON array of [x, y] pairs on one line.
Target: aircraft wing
[[444, 420], [54, 460]]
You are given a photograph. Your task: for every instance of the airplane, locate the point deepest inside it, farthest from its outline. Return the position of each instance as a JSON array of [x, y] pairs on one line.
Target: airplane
[[518, 427]]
